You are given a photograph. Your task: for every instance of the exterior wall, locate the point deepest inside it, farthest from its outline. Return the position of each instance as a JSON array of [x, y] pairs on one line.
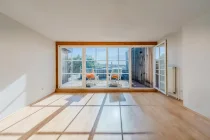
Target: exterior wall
[[138, 64], [149, 65], [142, 65]]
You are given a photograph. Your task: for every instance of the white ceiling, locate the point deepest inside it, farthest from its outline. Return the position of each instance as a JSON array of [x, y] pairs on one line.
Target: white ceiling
[[104, 20]]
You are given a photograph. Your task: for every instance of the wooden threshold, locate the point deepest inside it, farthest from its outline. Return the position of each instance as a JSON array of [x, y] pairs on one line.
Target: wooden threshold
[[103, 90]]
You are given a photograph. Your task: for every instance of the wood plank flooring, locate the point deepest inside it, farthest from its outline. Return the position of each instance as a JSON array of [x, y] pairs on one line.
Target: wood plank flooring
[[105, 116]]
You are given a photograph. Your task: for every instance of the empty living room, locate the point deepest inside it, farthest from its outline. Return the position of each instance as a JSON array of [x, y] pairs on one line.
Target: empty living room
[[104, 70]]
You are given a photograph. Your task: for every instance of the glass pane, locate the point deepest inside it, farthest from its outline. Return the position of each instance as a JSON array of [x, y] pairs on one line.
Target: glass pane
[[71, 80], [77, 53], [157, 53], [123, 67], [123, 53], [162, 72], [100, 67], [90, 66], [162, 56], [113, 54], [97, 81], [113, 80], [66, 67], [162, 62], [101, 76], [162, 67], [66, 54], [114, 76], [157, 71], [157, 80], [77, 66], [124, 80], [162, 86], [101, 54], [162, 51], [162, 78], [141, 67], [113, 66], [90, 54], [157, 66]]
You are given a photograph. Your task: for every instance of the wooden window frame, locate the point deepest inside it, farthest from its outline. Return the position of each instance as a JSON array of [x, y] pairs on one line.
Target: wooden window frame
[[73, 43]]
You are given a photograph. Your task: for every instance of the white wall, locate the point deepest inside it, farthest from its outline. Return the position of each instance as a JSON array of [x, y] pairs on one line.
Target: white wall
[[27, 66], [189, 50], [196, 64]]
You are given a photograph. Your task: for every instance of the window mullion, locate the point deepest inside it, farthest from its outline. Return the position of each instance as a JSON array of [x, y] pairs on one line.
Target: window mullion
[[107, 70], [84, 67], [130, 68]]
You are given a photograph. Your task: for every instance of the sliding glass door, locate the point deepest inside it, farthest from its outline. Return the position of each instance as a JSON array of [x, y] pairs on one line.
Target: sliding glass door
[[160, 67]]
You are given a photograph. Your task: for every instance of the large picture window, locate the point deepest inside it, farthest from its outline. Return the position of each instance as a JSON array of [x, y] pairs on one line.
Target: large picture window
[[104, 67]]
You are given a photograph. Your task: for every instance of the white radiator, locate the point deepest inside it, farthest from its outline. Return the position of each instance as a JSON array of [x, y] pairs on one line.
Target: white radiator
[[172, 82]]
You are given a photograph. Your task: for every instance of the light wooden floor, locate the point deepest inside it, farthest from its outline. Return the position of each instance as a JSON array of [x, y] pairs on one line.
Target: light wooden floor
[[125, 116]]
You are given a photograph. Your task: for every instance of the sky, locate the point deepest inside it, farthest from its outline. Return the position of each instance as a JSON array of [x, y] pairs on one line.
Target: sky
[[100, 53]]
